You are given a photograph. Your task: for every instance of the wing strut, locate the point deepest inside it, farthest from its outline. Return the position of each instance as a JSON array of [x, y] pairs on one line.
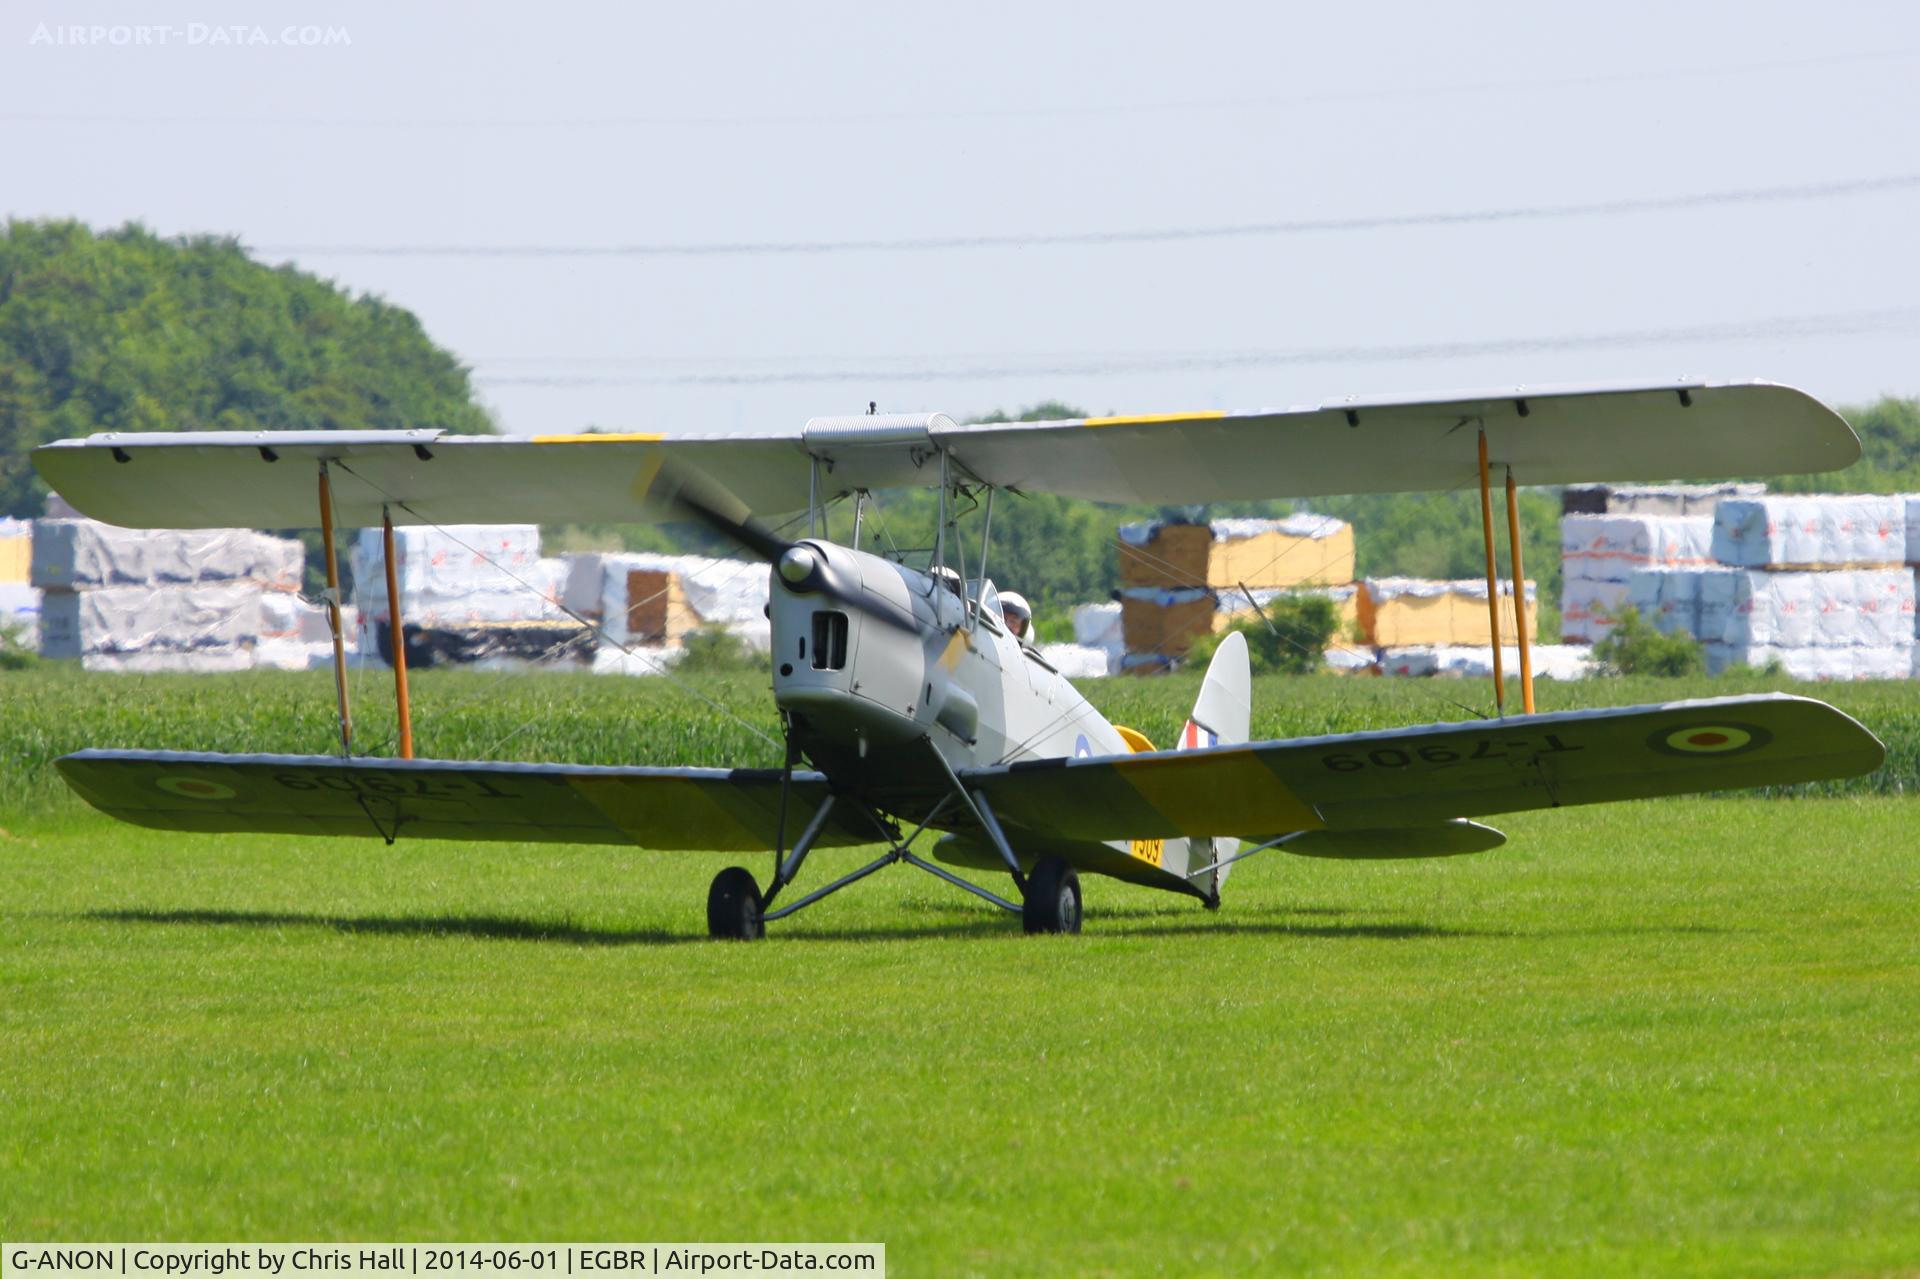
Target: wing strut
[[333, 609], [1493, 579], [399, 638], [1519, 595]]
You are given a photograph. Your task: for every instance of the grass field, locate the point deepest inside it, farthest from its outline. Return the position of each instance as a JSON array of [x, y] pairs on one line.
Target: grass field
[[1665, 1038]]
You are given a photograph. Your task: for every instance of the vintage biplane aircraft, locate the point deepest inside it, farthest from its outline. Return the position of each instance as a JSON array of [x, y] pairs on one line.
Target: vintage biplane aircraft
[[901, 689]]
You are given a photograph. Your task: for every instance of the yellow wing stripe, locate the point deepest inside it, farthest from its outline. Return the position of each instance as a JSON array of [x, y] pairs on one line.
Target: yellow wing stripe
[[1212, 791], [1141, 418], [598, 437]]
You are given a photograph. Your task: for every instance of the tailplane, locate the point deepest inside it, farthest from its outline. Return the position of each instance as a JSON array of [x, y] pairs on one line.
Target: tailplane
[[1221, 717]]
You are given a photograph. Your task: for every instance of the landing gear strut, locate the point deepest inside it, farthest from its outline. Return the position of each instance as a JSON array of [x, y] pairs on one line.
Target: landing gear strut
[[1050, 897]]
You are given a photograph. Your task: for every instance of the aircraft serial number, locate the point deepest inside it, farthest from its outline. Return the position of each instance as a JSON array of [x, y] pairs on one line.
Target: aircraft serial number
[[423, 787], [1485, 748], [1149, 850]]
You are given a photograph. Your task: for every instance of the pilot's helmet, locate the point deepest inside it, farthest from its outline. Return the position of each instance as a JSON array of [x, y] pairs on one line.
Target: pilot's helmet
[[946, 577], [1014, 605]]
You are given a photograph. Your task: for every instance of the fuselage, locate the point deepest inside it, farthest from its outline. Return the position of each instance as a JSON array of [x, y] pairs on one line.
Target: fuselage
[[868, 698], [871, 701]]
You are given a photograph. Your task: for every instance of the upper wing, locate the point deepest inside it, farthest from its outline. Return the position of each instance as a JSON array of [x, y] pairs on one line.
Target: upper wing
[[1419, 776], [1548, 435], [1676, 430], [664, 808]]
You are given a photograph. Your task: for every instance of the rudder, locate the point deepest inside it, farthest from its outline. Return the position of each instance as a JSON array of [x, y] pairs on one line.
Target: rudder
[[1222, 716]]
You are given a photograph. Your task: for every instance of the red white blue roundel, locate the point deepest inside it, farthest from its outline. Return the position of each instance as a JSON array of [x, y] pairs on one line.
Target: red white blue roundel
[[1723, 738], [1194, 736]]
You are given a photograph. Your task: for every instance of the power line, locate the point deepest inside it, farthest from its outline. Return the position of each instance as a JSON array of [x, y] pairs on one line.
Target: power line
[[1897, 319], [854, 118], [1302, 226]]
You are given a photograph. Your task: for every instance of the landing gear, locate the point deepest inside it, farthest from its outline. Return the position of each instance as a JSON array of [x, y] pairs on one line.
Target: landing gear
[[1053, 898], [733, 907]]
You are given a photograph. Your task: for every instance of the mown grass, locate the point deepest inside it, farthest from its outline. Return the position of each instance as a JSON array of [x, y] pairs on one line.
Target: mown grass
[[1663, 1038], [1674, 1038]]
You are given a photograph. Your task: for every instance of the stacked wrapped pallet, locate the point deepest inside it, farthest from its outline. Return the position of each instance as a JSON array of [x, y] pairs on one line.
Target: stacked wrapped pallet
[[1181, 580], [651, 602], [19, 598], [1600, 553], [1409, 612], [1821, 585], [468, 593], [145, 600]]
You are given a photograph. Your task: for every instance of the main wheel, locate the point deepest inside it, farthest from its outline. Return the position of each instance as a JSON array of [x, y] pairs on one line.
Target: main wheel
[[733, 907], [1053, 898]]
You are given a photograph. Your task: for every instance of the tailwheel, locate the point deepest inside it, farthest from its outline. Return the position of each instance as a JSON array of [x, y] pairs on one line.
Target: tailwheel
[[1053, 898], [733, 907]]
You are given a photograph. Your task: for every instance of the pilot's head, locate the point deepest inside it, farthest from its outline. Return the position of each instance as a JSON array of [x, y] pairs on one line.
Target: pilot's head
[[1019, 615]]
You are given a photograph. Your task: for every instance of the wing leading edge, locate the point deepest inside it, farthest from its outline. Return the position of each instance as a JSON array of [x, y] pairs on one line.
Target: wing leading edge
[[1548, 435], [661, 808], [1414, 777]]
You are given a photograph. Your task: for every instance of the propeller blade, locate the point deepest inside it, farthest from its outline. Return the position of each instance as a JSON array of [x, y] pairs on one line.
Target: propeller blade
[[707, 502]]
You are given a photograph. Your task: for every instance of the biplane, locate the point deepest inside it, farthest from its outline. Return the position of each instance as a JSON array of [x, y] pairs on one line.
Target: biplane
[[909, 707]]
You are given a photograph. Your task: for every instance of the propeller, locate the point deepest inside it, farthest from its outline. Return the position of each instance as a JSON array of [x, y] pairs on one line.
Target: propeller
[[800, 568]]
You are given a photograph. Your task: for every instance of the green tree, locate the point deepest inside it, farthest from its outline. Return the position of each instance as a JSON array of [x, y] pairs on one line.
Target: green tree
[[128, 331], [1635, 647], [1292, 640]]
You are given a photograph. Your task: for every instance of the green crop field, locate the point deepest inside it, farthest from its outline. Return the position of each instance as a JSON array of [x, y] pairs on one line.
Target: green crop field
[[1662, 1038]]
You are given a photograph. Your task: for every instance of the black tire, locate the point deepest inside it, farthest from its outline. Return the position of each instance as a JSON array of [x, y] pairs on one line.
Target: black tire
[[1053, 898], [733, 907]]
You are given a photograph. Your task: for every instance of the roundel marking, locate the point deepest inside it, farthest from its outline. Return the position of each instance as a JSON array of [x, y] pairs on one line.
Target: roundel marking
[[1710, 739], [195, 788], [1082, 748]]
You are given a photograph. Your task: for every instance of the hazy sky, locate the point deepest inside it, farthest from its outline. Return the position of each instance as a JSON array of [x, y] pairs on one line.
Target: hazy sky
[[566, 127]]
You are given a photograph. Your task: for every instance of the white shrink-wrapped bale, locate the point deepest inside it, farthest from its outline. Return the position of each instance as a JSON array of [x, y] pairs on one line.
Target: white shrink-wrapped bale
[[1588, 608], [283, 655], [1561, 661], [698, 590], [199, 661], [1607, 548], [581, 593], [1675, 499], [1098, 626], [134, 619], [1910, 511], [1412, 659], [1469, 661], [1883, 661], [1351, 661], [1849, 662], [1668, 598], [73, 555], [462, 576], [1814, 531], [1807, 610], [1883, 605], [639, 659], [20, 613], [1076, 661], [444, 560]]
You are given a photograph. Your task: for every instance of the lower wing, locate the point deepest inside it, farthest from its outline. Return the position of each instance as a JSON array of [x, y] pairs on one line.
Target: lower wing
[[666, 808], [1421, 776]]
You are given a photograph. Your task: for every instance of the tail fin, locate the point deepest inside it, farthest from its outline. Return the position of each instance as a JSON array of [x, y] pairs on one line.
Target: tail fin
[[1221, 717]]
